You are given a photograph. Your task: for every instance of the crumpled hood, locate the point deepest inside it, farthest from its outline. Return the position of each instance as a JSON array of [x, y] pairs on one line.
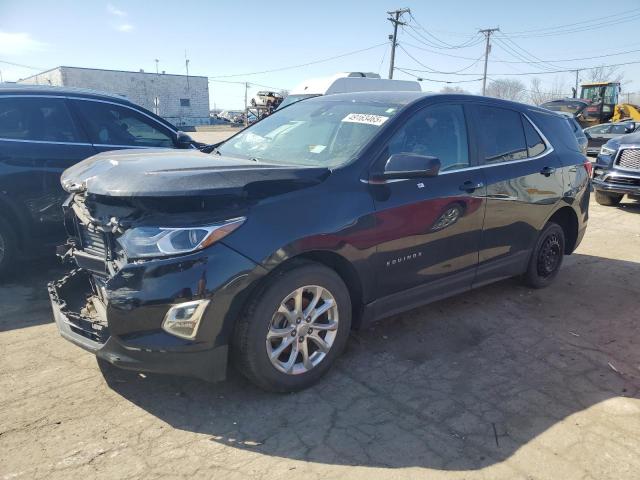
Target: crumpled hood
[[183, 173]]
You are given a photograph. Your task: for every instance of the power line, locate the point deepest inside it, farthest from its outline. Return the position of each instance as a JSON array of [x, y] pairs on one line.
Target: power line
[[22, 66], [539, 73], [531, 62], [522, 57], [471, 41], [581, 29], [420, 78], [291, 67], [430, 70], [528, 53], [599, 19]]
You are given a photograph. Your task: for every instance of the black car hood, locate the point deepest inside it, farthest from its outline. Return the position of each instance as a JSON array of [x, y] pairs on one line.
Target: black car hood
[[183, 173]]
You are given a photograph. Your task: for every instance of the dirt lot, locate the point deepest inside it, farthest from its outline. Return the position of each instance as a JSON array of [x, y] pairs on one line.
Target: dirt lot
[[214, 133], [502, 383]]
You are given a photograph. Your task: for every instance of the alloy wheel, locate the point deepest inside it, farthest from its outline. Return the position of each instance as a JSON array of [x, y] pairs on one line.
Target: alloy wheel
[[303, 330]]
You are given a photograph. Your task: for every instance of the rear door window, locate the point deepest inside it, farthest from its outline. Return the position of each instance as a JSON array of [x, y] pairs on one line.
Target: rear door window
[[42, 119], [535, 144], [501, 134], [115, 125]]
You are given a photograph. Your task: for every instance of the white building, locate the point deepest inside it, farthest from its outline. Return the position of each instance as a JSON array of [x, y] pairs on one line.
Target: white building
[[181, 99]]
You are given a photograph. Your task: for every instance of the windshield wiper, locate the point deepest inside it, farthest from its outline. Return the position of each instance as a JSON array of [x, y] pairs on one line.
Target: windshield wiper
[[211, 148]]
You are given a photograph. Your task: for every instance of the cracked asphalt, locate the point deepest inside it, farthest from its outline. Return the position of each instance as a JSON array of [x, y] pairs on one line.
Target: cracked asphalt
[[501, 383]]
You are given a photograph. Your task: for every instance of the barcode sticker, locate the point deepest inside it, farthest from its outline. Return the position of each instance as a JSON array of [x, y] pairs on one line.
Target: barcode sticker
[[365, 118]]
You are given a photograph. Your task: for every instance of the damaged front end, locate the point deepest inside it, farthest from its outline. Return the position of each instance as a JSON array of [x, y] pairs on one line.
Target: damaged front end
[[168, 314], [154, 287]]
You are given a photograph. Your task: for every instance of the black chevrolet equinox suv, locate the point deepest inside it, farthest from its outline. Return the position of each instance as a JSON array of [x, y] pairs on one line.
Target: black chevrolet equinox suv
[[325, 216]]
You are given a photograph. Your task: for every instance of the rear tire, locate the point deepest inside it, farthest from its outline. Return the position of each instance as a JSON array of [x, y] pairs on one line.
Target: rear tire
[[546, 258], [608, 199], [278, 343], [8, 248]]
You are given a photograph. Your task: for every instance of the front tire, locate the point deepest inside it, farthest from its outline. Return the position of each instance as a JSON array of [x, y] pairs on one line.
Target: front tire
[[293, 329], [8, 248], [546, 258], [608, 199]]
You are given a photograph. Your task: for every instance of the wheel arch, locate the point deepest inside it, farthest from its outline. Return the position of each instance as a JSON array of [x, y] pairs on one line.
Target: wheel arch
[[336, 262], [567, 218]]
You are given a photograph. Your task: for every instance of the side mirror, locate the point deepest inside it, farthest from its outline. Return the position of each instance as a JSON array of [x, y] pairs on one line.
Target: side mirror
[[410, 165], [183, 140], [587, 134], [629, 128]]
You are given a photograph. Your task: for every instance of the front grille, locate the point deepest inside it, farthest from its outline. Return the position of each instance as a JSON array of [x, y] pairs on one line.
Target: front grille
[[93, 241], [626, 181], [629, 158]]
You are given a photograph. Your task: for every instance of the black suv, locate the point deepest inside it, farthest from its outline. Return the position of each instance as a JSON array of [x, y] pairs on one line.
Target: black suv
[[617, 170], [323, 217], [45, 130]]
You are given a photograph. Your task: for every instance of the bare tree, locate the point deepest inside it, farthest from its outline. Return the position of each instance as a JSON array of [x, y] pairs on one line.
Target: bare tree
[[455, 89], [536, 95], [284, 93], [508, 89], [605, 74], [539, 94]]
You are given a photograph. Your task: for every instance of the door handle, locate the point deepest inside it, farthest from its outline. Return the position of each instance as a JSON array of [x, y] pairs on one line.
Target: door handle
[[470, 186], [547, 171]]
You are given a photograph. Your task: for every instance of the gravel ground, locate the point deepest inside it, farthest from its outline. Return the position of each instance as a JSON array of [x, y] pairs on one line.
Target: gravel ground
[[501, 383]]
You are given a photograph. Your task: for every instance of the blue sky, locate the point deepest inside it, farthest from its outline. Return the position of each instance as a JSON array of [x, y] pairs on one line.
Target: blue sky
[[236, 37]]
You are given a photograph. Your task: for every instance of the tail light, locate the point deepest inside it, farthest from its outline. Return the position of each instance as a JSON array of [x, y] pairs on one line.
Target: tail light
[[588, 166]]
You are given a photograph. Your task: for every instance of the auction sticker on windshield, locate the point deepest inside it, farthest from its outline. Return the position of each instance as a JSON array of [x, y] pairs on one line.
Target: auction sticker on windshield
[[365, 118]]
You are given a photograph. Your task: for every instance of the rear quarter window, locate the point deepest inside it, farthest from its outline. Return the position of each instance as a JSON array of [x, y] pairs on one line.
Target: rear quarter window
[[556, 129]]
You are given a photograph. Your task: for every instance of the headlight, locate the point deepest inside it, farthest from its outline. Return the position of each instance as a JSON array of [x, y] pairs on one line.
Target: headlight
[[160, 242], [604, 150]]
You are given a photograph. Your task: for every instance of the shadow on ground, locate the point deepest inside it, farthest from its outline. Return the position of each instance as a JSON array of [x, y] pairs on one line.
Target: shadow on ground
[[459, 384], [633, 207], [22, 292]]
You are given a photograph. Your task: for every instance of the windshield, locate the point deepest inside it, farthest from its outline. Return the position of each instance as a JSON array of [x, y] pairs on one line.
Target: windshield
[[600, 93], [316, 133], [289, 99]]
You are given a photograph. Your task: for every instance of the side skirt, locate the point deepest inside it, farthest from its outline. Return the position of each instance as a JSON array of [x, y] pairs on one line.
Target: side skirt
[[485, 274]]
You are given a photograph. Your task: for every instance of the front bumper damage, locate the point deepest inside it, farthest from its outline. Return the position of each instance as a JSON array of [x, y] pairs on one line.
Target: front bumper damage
[[119, 318]]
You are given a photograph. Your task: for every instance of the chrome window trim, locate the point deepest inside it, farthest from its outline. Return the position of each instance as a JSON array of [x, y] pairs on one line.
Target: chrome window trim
[[45, 141], [548, 149], [135, 147]]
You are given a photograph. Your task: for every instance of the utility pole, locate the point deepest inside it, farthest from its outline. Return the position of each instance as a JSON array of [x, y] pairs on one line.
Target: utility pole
[[575, 91], [157, 61], [395, 19], [487, 33], [186, 64], [246, 105]]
